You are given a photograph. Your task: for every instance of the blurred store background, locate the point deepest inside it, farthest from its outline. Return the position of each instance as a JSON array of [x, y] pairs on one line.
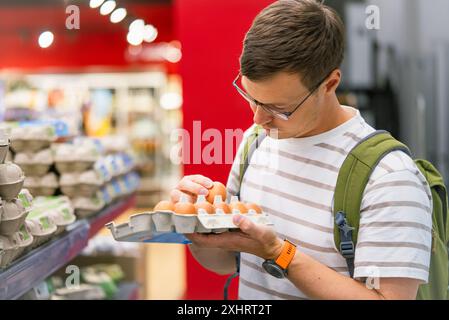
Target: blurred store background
[[110, 93]]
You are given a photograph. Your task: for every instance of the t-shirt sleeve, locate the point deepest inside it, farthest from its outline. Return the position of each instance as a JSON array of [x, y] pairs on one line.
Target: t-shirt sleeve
[[395, 233]]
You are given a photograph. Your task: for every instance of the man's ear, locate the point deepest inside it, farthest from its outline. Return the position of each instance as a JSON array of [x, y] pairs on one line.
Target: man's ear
[[332, 81]]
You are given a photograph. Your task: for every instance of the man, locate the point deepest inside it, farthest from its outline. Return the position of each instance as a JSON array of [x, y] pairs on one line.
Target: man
[[289, 74]]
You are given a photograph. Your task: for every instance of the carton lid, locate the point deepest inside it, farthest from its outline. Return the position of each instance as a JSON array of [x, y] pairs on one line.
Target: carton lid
[[10, 173]]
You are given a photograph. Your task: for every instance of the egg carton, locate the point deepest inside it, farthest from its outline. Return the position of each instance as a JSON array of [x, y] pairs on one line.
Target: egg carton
[[32, 138], [74, 158], [37, 164], [85, 184], [59, 209], [74, 166], [42, 186], [41, 227], [86, 207], [4, 145], [142, 227], [11, 181], [8, 249], [15, 212], [24, 239]]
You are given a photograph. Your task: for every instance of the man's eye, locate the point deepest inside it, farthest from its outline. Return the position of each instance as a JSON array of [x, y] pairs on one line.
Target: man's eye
[[274, 108]]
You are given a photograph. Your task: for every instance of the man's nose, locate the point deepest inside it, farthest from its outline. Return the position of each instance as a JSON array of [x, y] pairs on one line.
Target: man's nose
[[260, 115]]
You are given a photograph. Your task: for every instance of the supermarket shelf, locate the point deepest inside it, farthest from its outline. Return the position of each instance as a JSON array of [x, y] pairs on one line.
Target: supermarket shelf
[[33, 268], [109, 214], [128, 291]]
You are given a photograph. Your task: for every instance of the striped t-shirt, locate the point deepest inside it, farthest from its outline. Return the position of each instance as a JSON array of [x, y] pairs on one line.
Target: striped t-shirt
[[293, 180]]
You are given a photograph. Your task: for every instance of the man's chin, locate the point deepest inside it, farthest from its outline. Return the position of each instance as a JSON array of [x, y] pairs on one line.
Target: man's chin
[[276, 134]]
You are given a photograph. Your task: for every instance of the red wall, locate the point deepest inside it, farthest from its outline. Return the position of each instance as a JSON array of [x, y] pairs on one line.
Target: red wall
[[97, 43], [211, 33]]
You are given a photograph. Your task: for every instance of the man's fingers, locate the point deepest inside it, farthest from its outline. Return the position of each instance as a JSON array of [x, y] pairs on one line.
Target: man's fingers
[[175, 196], [202, 180], [189, 186], [249, 227]]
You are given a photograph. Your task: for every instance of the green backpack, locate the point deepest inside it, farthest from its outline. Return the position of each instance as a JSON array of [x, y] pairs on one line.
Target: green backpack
[[351, 182]]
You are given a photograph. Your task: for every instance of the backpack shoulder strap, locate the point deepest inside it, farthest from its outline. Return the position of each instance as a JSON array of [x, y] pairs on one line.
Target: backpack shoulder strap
[[251, 143], [351, 182]]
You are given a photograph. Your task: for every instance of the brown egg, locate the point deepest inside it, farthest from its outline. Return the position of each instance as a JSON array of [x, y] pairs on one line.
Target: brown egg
[[164, 205], [206, 206], [217, 189], [254, 207], [239, 206], [185, 208], [223, 206]]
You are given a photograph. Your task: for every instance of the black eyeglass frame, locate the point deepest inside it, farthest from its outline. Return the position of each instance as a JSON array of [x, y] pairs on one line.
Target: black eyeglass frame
[[282, 115]]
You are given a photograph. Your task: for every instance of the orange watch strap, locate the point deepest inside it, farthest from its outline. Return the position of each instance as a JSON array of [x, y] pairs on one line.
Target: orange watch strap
[[287, 254]]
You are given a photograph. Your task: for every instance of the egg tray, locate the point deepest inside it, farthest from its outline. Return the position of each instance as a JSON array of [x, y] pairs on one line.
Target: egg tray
[[9, 255], [142, 227], [11, 226], [35, 169], [74, 166], [80, 190], [42, 191], [10, 191], [30, 145], [3, 152]]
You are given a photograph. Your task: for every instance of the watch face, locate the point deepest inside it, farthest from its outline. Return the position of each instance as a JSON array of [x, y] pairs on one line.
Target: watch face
[[272, 268]]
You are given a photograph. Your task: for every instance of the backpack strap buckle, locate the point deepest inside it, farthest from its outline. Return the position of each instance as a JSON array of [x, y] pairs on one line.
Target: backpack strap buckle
[[347, 248]]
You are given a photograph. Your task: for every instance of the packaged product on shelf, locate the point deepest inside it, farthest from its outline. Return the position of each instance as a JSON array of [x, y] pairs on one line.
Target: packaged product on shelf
[[8, 250], [114, 271], [100, 279], [81, 292], [105, 195], [117, 188], [86, 207], [41, 227], [71, 158], [124, 186], [36, 164], [114, 166], [14, 215], [32, 138], [4, 145], [23, 239], [42, 186], [57, 208], [49, 184], [40, 292], [11, 181], [68, 183], [89, 183]]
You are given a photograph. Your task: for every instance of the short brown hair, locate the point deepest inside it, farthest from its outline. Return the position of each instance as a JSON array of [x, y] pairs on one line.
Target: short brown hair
[[297, 36]]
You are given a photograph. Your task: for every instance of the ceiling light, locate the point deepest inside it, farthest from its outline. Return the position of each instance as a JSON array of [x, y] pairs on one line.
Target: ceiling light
[[118, 15], [46, 39], [95, 3], [107, 7]]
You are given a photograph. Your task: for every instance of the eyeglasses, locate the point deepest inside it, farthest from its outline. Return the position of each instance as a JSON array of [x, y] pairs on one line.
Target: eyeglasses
[[270, 108]]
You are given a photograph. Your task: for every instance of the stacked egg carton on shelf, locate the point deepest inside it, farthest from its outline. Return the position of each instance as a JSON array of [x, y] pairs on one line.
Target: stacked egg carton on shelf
[[14, 235], [25, 223], [208, 214], [78, 179], [92, 180], [31, 145]]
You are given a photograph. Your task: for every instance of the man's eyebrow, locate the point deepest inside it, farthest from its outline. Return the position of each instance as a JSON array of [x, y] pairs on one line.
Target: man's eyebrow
[[271, 104]]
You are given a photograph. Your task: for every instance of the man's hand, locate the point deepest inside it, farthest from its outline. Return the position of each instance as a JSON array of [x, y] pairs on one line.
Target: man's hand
[[259, 240], [192, 186]]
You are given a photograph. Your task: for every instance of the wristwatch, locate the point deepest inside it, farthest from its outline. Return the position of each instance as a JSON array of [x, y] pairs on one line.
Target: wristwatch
[[278, 268]]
